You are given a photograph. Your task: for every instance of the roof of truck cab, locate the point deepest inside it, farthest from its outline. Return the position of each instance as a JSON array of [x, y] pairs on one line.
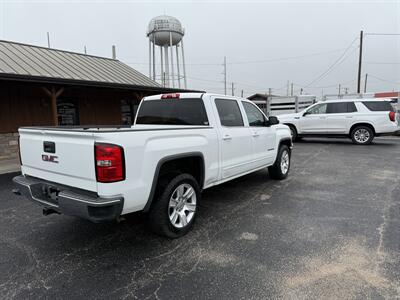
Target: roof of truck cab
[[194, 95]]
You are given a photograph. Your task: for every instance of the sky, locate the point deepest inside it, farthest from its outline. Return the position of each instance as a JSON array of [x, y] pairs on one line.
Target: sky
[[312, 44]]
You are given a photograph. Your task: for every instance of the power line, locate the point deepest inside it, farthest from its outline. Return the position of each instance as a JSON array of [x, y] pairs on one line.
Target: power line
[[332, 66], [383, 79], [251, 61]]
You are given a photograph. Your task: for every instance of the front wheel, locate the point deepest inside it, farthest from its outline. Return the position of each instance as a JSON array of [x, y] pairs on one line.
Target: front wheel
[[173, 213], [362, 135], [280, 169]]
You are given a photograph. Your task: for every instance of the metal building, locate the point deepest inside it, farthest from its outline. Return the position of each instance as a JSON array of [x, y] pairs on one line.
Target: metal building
[[166, 33]]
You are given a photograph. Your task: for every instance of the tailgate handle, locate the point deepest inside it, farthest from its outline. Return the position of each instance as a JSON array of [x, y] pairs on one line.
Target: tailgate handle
[[49, 147]]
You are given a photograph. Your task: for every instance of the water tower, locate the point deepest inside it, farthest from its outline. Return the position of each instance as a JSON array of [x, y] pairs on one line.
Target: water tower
[[167, 33]]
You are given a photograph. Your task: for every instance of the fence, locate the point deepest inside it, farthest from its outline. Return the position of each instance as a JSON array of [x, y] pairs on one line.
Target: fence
[[277, 105]]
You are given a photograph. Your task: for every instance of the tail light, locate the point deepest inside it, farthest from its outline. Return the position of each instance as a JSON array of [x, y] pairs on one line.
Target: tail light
[[19, 150], [392, 116], [110, 164], [171, 96]]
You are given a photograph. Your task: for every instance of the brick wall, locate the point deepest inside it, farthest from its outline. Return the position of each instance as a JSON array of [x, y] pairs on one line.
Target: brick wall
[[8, 146]]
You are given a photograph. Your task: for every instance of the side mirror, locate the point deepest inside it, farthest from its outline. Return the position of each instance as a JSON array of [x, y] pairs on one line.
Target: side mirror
[[272, 121], [306, 113]]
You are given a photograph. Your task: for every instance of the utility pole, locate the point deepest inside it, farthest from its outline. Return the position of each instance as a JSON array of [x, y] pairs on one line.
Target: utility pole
[[301, 91], [365, 82], [224, 74], [291, 89], [48, 39], [340, 87], [287, 88], [346, 90], [242, 93], [360, 63], [233, 89], [84, 48], [269, 91]]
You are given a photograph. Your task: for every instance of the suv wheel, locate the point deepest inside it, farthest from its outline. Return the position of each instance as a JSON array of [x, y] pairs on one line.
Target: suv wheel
[[362, 135], [173, 213], [280, 169]]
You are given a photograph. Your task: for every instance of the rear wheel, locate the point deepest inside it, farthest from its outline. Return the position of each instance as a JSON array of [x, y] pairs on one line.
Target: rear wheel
[[280, 169], [362, 135], [173, 213]]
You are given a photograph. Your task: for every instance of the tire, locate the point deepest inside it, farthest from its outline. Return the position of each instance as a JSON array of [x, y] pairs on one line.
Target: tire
[[172, 215], [293, 132], [362, 135], [280, 169]]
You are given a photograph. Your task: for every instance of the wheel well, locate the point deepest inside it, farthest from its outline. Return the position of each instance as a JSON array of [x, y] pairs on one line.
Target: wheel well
[[362, 124], [192, 165], [170, 167], [287, 142], [291, 125]]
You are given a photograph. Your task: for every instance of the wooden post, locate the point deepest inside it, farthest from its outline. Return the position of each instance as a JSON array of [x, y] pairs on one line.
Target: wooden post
[[54, 94]]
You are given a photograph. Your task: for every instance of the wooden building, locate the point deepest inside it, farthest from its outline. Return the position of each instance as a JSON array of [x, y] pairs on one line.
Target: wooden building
[[41, 86]]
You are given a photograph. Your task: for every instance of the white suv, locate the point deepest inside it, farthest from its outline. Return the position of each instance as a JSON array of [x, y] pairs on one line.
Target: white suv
[[359, 119]]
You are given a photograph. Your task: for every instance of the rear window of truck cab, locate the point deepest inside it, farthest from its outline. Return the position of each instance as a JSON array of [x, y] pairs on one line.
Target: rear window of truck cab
[[178, 111]]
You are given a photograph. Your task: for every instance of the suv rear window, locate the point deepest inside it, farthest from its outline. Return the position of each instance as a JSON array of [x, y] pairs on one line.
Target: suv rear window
[[378, 105], [186, 111]]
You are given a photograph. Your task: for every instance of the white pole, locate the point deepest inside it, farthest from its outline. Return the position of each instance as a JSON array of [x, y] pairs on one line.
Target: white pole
[[149, 58], [177, 64], [166, 66], [154, 57], [162, 67], [172, 60], [184, 67]]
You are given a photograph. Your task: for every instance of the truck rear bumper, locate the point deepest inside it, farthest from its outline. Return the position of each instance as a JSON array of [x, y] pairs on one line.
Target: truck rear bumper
[[67, 200]]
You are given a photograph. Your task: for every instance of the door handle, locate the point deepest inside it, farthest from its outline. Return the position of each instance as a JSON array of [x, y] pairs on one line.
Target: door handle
[[322, 118], [349, 117], [255, 133], [227, 137]]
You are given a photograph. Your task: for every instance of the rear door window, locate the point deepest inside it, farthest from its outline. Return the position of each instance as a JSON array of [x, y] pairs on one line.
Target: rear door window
[[229, 112], [378, 105], [184, 111], [341, 107]]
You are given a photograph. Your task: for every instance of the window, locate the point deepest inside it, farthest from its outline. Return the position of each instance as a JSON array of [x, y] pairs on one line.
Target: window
[[341, 107], [229, 112], [378, 105], [317, 109], [173, 112], [255, 117]]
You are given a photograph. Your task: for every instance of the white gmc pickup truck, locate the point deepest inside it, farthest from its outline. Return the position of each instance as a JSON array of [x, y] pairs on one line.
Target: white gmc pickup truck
[[179, 145]]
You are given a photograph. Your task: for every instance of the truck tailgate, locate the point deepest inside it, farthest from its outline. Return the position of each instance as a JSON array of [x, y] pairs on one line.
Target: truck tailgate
[[65, 157]]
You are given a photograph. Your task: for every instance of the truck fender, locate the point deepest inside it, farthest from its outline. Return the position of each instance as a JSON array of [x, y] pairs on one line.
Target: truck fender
[[161, 162]]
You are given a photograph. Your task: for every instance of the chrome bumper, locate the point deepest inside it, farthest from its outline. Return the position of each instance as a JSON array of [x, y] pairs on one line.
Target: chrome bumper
[[67, 200]]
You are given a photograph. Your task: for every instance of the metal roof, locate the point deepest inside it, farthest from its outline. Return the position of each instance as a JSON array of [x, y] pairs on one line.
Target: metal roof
[[21, 61]]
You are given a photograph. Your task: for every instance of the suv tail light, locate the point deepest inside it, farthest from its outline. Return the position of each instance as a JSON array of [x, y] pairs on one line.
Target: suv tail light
[[110, 164], [392, 116]]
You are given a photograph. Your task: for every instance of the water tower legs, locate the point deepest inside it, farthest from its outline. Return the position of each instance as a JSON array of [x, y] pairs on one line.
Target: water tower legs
[[154, 58], [166, 66], [172, 60], [177, 65], [149, 58], [162, 67], [184, 66]]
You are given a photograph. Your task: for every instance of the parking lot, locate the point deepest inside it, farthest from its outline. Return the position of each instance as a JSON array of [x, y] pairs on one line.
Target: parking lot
[[331, 230]]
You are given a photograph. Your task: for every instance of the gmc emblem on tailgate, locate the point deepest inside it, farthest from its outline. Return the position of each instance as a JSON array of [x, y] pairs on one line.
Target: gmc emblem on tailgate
[[50, 158]]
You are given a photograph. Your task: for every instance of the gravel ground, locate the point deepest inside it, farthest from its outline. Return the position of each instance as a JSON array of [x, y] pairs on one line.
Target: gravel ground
[[330, 231]]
